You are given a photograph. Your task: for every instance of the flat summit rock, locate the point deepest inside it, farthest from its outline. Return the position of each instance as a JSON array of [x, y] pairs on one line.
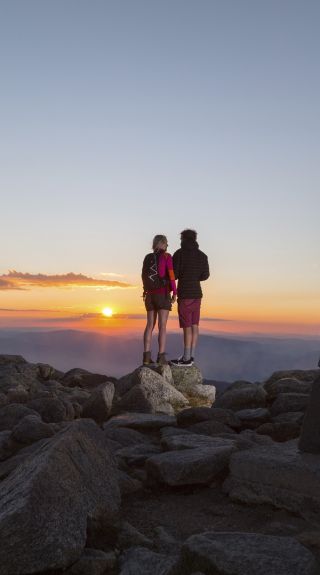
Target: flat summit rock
[[244, 553]]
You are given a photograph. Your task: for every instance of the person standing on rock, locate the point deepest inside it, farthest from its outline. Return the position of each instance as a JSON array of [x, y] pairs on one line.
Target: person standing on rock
[[190, 267], [158, 283]]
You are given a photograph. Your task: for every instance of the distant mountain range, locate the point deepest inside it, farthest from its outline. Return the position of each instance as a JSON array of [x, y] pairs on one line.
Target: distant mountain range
[[220, 358]]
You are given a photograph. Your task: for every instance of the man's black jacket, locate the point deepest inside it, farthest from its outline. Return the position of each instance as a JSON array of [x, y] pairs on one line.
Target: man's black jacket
[[190, 267]]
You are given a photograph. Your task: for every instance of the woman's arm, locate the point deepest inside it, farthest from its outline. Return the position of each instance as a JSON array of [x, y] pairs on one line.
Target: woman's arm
[[165, 267], [171, 274]]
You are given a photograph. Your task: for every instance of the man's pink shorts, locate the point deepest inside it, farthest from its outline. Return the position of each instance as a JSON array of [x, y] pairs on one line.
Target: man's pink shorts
[[189, 312]]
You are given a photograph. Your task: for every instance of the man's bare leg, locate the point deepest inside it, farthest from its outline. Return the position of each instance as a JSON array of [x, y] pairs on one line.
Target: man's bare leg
[[194, 340], [187, 339]]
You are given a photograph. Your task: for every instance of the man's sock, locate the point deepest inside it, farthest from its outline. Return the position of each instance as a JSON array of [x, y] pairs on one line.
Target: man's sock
[[187, 353]]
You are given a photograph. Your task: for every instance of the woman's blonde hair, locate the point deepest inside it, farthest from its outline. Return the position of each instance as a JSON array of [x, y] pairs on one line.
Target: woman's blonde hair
[[157, 240]]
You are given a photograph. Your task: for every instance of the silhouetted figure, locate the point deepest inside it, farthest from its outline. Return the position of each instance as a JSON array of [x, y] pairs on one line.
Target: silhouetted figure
[[158, 283], [190, 268]]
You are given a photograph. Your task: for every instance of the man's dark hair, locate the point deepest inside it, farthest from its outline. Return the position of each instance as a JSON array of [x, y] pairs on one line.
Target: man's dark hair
[[188, 235]]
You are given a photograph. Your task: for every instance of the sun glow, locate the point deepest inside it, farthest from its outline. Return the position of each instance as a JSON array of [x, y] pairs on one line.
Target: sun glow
[[107, 312]]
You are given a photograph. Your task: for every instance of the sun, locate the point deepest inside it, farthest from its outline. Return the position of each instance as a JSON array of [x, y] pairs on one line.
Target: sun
[[107, 311]]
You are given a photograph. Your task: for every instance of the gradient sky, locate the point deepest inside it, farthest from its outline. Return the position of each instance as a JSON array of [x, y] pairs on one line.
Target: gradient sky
[[122, 119]]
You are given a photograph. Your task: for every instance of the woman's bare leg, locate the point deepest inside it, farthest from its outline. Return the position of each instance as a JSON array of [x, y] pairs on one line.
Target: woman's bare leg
[[162, 324], [147, 336]]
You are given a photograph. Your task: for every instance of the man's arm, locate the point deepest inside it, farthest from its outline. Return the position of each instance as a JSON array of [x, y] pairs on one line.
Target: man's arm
[[205, 274], [176, 264]]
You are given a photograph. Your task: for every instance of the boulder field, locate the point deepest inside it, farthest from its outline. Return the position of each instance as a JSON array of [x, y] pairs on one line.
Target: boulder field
[[157, 474]]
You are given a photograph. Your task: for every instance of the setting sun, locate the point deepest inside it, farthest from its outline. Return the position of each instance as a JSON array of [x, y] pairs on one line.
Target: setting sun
[[107, 311]]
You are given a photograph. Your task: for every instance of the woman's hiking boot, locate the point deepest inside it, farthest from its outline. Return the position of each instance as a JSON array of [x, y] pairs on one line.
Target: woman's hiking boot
[[147, 358], [161, 359]]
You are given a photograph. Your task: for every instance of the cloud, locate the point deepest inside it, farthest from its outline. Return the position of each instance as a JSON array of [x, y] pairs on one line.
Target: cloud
[[14, 280], [5, 284], [111, 274]]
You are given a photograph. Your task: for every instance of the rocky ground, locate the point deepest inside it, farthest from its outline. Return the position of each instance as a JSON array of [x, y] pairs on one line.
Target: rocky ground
[[153, 474]]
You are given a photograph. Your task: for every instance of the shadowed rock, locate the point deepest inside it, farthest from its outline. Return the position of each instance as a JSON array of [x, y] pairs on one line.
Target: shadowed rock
[[287, 402], [98, 407], [191, 466], [31, 429], [243, 553], [78, 377], [143, 421], [242, 396], [310, 434], [10, 415], [142, 561], [287, 385], [46, 501], [52, 409], [277, 474]]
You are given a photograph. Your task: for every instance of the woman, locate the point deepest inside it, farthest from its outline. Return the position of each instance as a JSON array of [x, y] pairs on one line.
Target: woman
[[158, 283]]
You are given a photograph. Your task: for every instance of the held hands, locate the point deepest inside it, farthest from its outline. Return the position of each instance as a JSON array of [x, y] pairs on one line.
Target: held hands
[[173, 299]]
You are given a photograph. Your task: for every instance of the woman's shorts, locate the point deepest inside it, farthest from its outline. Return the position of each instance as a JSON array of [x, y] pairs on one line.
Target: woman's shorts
[[156, 301], [189, 312]]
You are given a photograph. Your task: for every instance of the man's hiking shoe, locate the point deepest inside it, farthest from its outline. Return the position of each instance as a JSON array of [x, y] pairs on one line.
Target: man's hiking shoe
[[161, 359], [180, 362], [147, 358]]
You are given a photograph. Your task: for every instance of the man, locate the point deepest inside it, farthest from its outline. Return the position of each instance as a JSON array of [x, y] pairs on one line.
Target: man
[[190, 268]]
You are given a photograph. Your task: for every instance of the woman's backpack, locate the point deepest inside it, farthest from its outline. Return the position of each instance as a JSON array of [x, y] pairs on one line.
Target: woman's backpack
[[150, 275]]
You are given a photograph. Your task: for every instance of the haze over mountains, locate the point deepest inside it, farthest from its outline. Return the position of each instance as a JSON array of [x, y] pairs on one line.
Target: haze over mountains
[[220, 358]]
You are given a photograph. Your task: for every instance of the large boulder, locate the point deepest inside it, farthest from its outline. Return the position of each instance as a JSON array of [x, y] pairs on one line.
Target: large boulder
[[280, 431], [46, 502], [123, 435], [252, 418], [210, 427], [93, 562], [187, 440], [31, 429], [47, 372], [142, 561], [195, 415], [52, 409], [6, 359], [141, 421], [99, 405], [277, 474], [297, 374], [189, 381], [310, 434], [78, 377], [17, 395], [151, 394], [191, 466], [243, 553], [287, 385], [11, 414], [242, 396], [287, 402]]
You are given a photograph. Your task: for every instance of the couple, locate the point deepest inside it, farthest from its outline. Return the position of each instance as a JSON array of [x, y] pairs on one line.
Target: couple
[[189, 266]]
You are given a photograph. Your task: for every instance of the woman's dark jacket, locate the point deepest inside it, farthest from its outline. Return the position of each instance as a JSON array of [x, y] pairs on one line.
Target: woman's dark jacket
[[190, 268]]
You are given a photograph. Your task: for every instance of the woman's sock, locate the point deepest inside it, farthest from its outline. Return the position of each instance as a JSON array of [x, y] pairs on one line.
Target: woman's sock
[[187, 353]]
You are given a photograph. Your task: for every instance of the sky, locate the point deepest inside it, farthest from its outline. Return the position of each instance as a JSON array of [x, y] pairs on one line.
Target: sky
[[123, 119]]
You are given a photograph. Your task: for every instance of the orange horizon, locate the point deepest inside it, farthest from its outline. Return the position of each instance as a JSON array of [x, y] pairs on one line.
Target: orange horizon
[[123, 324]]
